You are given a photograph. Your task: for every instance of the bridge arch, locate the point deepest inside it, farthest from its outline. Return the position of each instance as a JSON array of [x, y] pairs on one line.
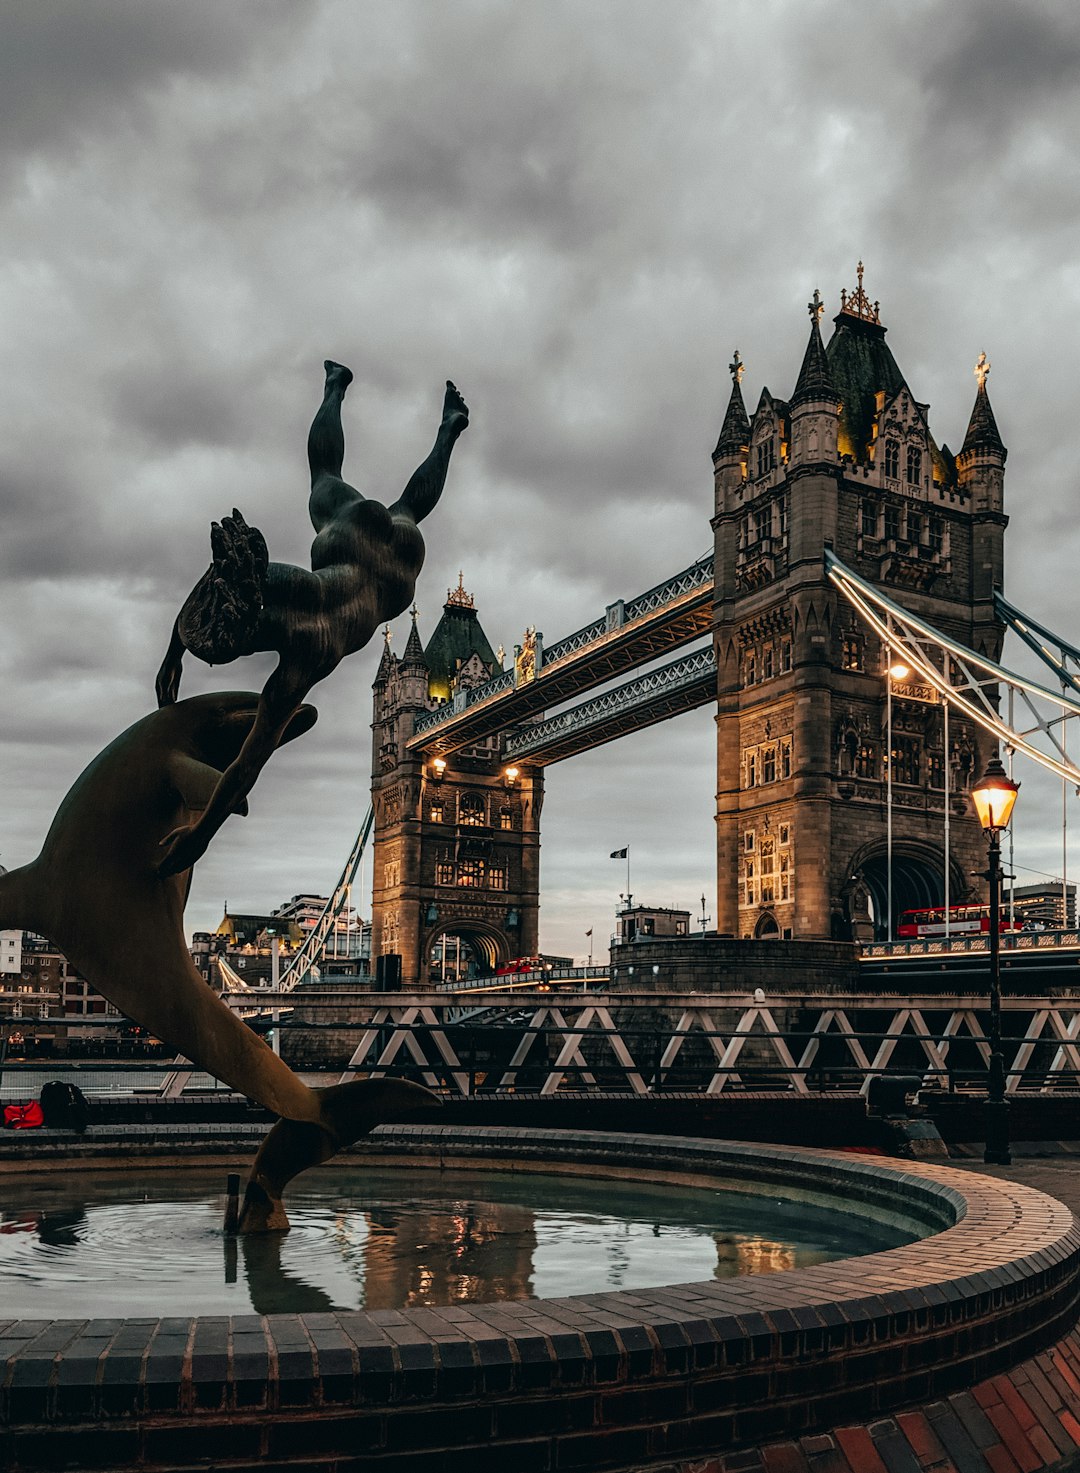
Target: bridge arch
[[460, 949], [918, 879]]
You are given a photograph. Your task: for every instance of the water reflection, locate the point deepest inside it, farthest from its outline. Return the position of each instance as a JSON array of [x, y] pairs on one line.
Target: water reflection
[[386, 1239]]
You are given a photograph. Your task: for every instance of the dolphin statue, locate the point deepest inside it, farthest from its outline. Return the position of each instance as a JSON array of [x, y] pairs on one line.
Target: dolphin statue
[[97, 892]]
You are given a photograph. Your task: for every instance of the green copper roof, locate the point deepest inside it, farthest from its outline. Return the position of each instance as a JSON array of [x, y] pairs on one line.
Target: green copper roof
[[860, 364], [457, 637]]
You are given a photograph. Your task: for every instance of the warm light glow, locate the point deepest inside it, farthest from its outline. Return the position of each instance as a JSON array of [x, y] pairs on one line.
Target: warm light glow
[[439, 764], [899, 671], [994, 795], [511, 774]]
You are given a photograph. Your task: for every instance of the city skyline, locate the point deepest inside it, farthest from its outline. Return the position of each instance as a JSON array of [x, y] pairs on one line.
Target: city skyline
[[577, 214]]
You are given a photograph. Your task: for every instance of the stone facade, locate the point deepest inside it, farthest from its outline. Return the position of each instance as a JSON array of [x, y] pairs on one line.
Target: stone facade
[[457, 842], [802, 689]]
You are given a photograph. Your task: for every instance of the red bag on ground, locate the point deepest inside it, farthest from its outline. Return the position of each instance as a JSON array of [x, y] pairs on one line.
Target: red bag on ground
[[23, 1117]]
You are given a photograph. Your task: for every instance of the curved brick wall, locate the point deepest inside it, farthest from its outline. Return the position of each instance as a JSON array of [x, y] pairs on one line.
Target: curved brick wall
[[662, 1377]]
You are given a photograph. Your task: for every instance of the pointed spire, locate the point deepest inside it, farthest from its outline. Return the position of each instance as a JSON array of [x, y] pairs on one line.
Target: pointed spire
[[735, 431], [815, 381], [982, 430], [414, 650], [382, 675]]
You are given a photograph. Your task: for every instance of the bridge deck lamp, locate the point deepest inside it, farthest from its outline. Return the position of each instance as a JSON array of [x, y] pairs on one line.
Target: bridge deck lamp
[[510, 776], [438, 767], [898, 670], [994, 796], [895, 669]]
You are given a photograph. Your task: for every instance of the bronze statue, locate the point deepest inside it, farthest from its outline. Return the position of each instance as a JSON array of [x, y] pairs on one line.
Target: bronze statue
[[364, 564], [96, 890]]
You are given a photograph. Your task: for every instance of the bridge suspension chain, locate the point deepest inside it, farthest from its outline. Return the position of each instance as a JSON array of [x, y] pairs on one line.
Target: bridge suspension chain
[[968, 681]]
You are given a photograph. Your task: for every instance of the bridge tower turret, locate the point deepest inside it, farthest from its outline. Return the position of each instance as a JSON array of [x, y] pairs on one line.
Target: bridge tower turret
[[457, 842], [803, 732]]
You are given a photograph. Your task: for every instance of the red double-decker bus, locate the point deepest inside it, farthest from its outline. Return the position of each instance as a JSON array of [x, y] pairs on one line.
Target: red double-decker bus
[[963, 920]]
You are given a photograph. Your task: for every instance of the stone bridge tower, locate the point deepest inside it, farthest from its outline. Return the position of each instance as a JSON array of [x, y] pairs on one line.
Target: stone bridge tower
[[848, 461], [457, 842]]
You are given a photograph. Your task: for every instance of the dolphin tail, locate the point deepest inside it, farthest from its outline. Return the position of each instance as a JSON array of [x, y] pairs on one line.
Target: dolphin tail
[[348, 1111]]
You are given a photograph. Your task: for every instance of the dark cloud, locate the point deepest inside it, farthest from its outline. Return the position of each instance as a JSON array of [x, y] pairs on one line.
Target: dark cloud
[[576, 212]]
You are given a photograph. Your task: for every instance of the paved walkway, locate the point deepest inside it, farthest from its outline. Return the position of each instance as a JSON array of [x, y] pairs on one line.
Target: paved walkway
[[1052, 1167]]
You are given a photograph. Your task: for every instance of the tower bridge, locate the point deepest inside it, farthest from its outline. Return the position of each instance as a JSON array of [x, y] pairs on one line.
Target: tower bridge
[[845, 538]]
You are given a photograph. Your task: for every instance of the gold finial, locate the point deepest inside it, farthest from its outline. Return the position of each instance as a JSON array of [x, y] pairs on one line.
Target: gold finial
[[982, 371], [815, 306], [457, 597], [858, 304], [386, 636], [736, 368]]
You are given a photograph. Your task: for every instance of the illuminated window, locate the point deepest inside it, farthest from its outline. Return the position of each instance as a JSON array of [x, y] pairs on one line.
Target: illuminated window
[[471, 810], [851, 652], [914, 465], [471, 873], [497, 877], [506, 818], [892, 459], [444, 872], [866, 760], [436, 811]]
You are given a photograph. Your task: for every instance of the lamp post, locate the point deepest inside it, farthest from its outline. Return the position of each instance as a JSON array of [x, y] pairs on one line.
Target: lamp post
[[895, 670], [994, 795]]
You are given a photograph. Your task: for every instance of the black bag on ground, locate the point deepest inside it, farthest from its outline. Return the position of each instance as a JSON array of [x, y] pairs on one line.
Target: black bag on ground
[[64, 1105]]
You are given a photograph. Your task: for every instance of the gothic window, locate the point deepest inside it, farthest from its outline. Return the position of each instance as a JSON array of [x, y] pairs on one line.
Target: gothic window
[[748, 841], [849, 753], [914, 465], [436, 811], [767, 658], [748, 874], [914, 526], [506, 818], [866, 760], [892, 459], [785, 655], [766, 456], [763, 523], [851, 652], [785, 877], [785, 835], [906, 757], [892, 523], [751, 769], [471, 810], [937, 769], [768, 767], [444, 872], [768, 871], [868, 519], [785, 759], [751, 668], [936, 536], [471, 873], [497, 877]]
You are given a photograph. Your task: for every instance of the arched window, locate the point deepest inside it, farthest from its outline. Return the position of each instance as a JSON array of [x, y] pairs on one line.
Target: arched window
[[892, 459], [914, 465], [471, 810]]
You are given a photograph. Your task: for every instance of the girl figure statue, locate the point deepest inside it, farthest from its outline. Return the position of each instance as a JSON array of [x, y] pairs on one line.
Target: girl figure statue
[[364, 563]]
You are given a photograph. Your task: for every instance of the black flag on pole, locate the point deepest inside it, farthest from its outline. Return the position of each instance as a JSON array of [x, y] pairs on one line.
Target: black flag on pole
[[620, 853]]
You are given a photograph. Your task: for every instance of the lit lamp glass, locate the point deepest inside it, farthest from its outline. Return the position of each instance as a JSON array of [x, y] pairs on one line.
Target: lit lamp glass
[[511, 776], [994, 795], [898, 670]]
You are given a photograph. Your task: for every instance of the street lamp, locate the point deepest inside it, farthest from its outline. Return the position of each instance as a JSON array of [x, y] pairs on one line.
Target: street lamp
[[894, 670], [994, 795]]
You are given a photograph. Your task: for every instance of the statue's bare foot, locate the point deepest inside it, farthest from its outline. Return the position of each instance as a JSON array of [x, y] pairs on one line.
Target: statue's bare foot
[[455, 410], [337, 376]]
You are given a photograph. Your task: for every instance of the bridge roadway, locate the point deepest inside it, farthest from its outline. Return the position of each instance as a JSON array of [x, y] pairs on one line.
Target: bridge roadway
[[631, 633], [1030, 961]]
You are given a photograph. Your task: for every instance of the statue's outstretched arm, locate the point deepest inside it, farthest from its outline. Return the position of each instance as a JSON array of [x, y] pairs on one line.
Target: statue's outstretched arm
[[282, 696], [427, 481]]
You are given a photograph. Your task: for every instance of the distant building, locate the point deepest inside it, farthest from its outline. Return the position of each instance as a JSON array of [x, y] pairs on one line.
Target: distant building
[[651, 921], [1041, 907]]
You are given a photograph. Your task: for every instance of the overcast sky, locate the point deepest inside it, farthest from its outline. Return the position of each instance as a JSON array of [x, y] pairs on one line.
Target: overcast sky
[[576, 210]]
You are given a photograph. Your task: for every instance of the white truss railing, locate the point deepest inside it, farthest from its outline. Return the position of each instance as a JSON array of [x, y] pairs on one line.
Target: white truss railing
[[969, 682], [642, 1044]]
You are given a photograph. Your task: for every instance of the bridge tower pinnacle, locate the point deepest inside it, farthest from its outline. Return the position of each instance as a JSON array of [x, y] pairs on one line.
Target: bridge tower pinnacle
[[804, 738]]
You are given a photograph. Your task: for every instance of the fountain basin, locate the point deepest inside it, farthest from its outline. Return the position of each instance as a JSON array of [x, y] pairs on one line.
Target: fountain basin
[[614, 1379]]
